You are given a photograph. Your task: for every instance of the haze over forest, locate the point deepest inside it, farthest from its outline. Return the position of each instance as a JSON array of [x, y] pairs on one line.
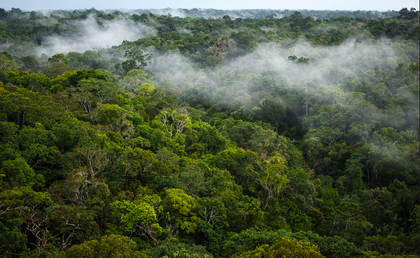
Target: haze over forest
[[209, 133]]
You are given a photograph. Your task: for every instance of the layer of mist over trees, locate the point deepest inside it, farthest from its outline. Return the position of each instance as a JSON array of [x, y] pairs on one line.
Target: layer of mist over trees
[[209, 133]]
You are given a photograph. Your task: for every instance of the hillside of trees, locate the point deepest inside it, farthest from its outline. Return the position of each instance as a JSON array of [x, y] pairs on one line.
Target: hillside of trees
[[280, 134]]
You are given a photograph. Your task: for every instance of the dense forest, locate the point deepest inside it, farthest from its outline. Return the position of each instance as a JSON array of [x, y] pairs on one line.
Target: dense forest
[[211, 134]]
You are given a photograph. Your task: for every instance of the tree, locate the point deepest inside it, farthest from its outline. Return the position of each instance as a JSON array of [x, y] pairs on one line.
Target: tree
[[384, 245], [202, 138], [18, 171], [58, 58], [180, 210], [34, 82], [57, 69], [22, 220], [285, 247], [8, 144], [37, 146], [91, 92], [135, 60], [219, 46], [115, 118], [414, 237], [408, 15], [352, 180], [139, 216], [133, 79], [109, 246], [31, 62], [85, 74], [265, 141], [344, 216], [78, 189], [141, 163], [176, 121], [6, 62], [250, 239], [180, 250], [269, 174], [379, 207], [171, 89], [388, 159], [71, 224]]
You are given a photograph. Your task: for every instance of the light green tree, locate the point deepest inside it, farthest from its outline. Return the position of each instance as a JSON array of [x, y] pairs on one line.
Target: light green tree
[[109, 246], [285, 247]]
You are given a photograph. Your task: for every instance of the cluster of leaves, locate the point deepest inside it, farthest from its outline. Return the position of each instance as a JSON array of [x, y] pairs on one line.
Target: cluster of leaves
[[119, 162]]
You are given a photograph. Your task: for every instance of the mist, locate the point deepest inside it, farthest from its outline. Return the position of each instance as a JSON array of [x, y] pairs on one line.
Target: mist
[[260, 13], [94, 34], [330, 74], [348, 59], [327, 79]]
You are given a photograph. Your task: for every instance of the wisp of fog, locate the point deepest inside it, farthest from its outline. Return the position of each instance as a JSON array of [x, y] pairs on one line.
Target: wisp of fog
[[95, 34]]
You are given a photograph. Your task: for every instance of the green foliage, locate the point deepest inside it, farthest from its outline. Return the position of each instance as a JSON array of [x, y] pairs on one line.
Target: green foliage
[[172, 250], [285, 247], [50, 252], [311, 125], [131, 214], [7, 62], [24, 107], [179, 209], [385, 245], [33, 82], [22, 218], [57, 69], [136, 60], [203, 139], [84, 74], [248, 240], [18, 172], [108, 246]]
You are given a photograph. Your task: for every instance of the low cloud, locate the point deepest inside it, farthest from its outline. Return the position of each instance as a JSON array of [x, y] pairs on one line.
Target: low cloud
[[94, 34], [327, 65]]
